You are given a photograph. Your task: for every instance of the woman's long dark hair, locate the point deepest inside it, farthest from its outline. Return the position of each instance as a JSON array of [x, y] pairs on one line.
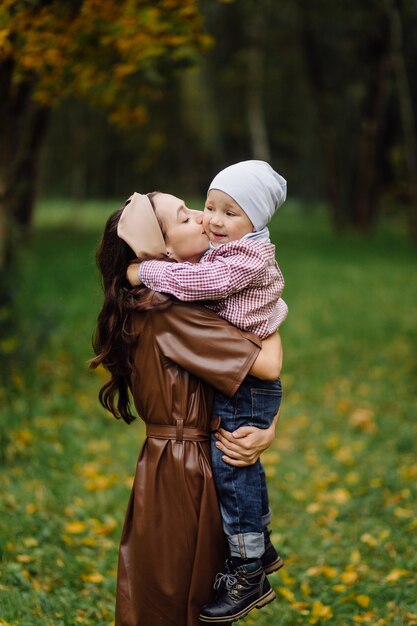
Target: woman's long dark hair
[[115, 337], [114, 334]]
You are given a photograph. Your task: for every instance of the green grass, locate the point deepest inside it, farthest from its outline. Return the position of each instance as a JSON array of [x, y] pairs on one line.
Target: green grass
[[342, 471]]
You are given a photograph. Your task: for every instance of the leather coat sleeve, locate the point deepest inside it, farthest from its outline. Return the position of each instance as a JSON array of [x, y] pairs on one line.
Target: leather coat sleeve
[[207, 346]]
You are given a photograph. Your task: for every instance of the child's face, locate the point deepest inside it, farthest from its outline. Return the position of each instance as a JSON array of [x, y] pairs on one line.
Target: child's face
[[223, 218]]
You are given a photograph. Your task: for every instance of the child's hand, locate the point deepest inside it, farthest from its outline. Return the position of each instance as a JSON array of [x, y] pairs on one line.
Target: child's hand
[[132, 274]]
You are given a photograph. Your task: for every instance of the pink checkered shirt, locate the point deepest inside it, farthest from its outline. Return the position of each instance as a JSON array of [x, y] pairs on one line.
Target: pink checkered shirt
[[240, 280]]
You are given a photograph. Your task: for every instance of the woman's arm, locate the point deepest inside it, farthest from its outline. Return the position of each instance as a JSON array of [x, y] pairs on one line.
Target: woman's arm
[[245, 445], [268, 364]]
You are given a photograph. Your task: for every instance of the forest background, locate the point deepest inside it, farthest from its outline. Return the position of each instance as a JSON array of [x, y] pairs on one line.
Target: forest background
[[102, 97]]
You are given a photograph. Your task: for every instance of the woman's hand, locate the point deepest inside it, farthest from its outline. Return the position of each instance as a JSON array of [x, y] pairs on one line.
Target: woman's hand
[[132, 274], [245, 445]]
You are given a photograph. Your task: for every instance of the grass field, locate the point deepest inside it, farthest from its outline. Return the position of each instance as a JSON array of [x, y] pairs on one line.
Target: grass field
[[342, 472]]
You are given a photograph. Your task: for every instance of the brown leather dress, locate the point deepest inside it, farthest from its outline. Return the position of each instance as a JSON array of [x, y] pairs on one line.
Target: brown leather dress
[[172, 543]]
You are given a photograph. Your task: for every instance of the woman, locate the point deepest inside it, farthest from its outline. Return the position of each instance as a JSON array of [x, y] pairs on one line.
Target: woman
[[170, 355]]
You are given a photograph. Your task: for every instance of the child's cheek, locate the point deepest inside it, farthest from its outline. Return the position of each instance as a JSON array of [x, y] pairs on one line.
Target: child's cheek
[[206, 221]]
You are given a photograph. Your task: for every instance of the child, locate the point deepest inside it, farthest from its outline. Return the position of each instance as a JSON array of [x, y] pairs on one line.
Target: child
[[239, 279]]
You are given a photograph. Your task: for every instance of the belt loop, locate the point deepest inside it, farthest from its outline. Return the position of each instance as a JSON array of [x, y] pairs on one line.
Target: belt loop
[[180, 431]]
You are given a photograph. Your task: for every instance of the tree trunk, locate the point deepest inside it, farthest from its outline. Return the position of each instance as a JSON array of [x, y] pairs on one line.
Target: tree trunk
[[365, 197], [22, 130], [255, 86], [6, 74], [29, 138], [23, 126], [406, 110], [327, 134]]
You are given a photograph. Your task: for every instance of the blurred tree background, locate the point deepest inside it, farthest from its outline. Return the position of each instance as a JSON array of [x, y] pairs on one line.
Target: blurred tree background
[[99, 98]]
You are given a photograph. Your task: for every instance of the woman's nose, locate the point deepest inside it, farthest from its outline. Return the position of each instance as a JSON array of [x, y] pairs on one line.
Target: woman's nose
[[197, 215]]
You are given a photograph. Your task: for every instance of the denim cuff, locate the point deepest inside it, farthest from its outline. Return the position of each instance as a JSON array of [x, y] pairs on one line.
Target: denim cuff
[[266, 519], [247, 545]]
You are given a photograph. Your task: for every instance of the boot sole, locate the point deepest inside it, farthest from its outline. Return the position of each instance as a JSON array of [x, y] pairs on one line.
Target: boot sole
[[274, 567], [256, 604]]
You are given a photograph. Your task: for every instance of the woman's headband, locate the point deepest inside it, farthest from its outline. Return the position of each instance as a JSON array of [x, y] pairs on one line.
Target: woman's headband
[[140, 229]]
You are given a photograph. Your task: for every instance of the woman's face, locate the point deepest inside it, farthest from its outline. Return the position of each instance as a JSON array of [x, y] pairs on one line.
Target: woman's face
[[182, 227]]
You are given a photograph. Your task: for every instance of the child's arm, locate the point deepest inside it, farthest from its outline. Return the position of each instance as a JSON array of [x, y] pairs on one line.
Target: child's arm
[[269, 362], [212, 280], [132, 274]]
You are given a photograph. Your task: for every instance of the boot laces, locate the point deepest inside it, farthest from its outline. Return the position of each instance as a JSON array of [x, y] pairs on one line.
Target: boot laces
[[229, 580]]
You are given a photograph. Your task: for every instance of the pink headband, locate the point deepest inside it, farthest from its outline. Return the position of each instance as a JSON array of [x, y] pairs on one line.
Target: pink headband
[[139, 228]]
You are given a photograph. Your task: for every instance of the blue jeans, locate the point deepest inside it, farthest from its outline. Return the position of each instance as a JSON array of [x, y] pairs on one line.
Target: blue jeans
[[242, 491]]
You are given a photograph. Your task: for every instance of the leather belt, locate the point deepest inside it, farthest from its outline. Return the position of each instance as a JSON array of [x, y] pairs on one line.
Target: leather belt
[[179, 432]]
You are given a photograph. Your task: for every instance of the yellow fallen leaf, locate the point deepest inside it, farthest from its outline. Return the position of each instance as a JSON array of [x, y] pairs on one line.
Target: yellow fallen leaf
[[345, 456], [403, 513], [337, 496], [287, 579], [395, 574], [299, 495], [348, 577], [30, 542], [369, 540], [305, 588], [129, 481], [95, 577], [314, 507], [408, 473], [271, 457], [104, 528], [300, 607], [98, 445], [89, 541], [24, 558], [383, 534], [75, 528], [365, 617], [321, 610], [333, 442], [286, 593], [352, 478], [355, 556], [363, 601], [322, 570], [363, 419], [99, 482]]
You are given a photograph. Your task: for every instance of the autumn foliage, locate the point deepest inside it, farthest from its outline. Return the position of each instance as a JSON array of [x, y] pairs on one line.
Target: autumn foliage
[[111, 53]]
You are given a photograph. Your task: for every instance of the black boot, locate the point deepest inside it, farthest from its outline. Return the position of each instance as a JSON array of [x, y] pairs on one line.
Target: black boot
[[239, 591], [271, 561]]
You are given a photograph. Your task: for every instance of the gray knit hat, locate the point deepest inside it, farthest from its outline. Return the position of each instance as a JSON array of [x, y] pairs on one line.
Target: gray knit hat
[[255, 186]]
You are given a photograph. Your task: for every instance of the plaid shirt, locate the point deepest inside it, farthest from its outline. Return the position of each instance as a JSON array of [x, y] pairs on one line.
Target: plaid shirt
[[239, 280]]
